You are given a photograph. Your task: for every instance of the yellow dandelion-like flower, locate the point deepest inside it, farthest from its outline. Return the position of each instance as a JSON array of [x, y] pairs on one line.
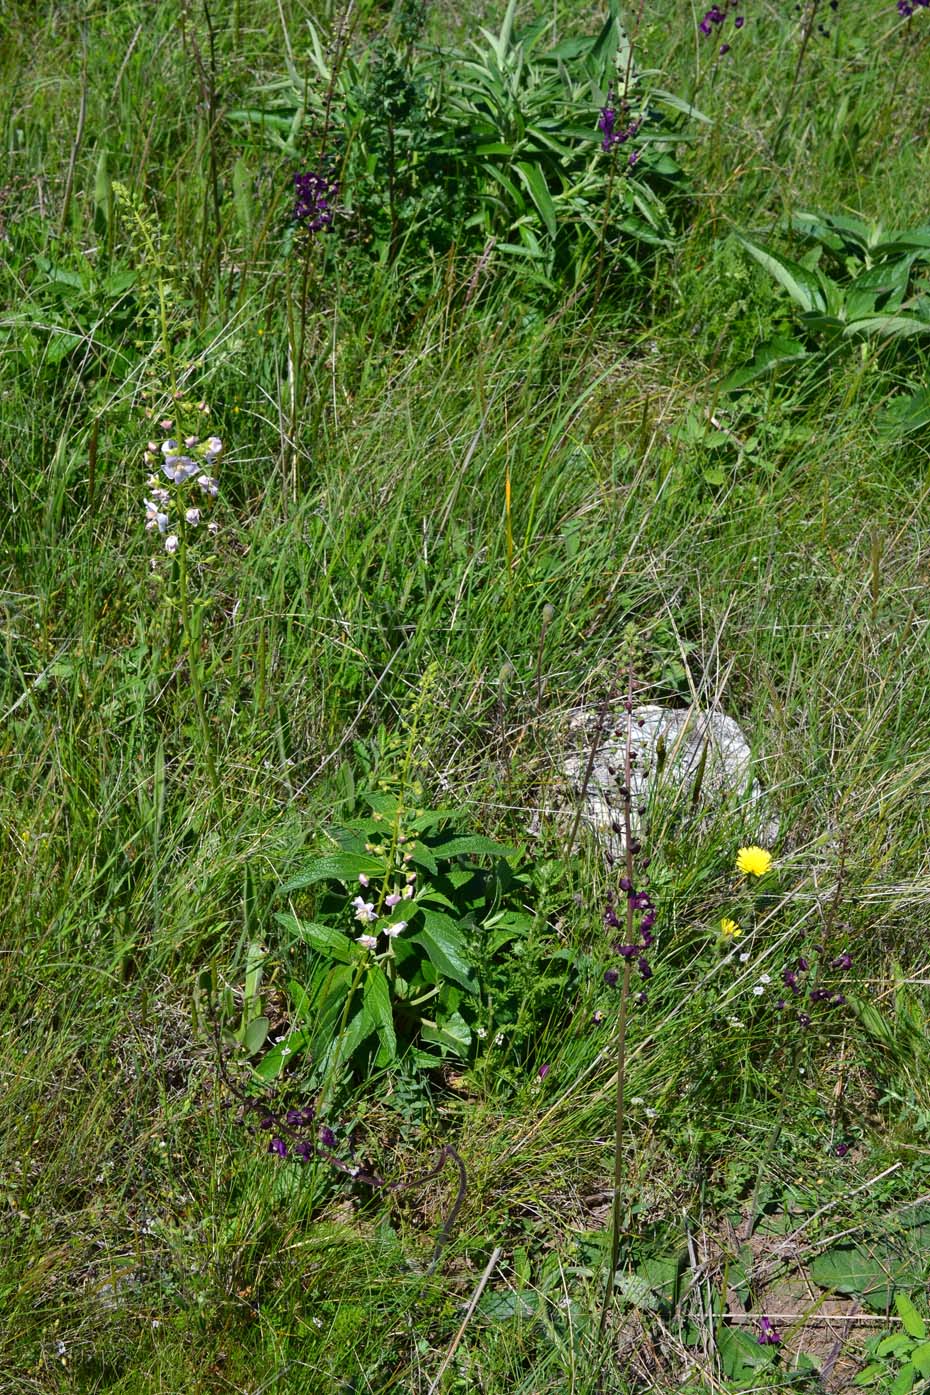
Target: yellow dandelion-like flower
[[755, 862], [729, 928]]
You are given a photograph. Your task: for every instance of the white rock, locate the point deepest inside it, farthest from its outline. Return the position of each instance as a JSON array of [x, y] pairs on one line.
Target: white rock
[[676, 751]]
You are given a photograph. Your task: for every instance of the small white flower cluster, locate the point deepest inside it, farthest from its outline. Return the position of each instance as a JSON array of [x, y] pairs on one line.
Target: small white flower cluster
[[366, 914], [179, 467]]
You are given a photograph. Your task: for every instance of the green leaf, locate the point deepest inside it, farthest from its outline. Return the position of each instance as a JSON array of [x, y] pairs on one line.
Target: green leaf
[[325, 939], [904, 414], [920, 1357], [535, 181], [473, 845], [914, 1324], [888, 326], [274, 1061], [377, 999], [445, 948], [256, 1034], [769, 357], [801, 284], [903, 1381], [452, 1032], [343, 867]]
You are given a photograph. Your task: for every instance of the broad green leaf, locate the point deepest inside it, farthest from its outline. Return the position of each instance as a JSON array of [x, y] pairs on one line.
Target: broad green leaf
[[256, 1034], [801, 284], [281, 1055], [343, 867], [888, 326], [903, 1381], [740, 1352], [451, 1032], [920, 1358], [445, 947], [377, 999], [325, 939], [905, 413], [894, 1345], [914, 1324], [472, 846], [769, 357]]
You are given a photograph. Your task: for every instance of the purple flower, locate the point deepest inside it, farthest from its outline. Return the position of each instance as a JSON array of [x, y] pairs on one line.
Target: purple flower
[[804, 1019], [266, 1122], [610, 919], [625, 951], [739, 21], [626, 884], [768, 1337], [277, 1145], [842, 961], [304, 1151], [724, 48], [790, 980], [543, 1072], [610, 977], [605, 125], [327, 1137], [307, 1114], [644, 968], [293, 1117], [312, 207], [803, 966], [841, 1150]]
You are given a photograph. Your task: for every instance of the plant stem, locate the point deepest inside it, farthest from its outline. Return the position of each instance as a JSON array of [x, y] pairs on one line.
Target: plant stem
[[193, 665]]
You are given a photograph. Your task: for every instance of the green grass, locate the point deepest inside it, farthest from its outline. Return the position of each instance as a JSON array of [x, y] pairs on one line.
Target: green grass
[[443, 468]]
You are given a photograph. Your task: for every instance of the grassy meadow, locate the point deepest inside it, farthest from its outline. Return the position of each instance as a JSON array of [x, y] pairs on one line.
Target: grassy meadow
[[586, 364]]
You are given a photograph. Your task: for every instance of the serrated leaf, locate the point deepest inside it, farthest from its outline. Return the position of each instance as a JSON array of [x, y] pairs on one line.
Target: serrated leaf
[[325, 939], [914, 1324], [445, 947], [376, 995]]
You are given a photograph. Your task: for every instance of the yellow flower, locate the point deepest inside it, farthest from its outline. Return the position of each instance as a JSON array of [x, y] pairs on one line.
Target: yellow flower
[[729, 928], [755, 862]]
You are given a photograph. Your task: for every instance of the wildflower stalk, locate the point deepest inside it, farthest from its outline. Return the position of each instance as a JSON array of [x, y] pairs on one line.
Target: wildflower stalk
[[619, 1114], [193, 666]]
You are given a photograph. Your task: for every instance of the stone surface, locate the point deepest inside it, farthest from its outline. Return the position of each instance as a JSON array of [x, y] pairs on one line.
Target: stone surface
[[687, 734]]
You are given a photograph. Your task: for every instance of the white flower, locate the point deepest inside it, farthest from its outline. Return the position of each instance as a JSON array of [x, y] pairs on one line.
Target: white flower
[[758, 990], [171, 543], [499, 1039], [214, 446], [192, 517], [744, 958], [408, 891], [392, 900], [764, 978], [367, 941], [364, 910], [179, 468], [363, 879], [169, 447], [735, 1022], [651, 1113], [155, 519], [392, 931], [481, 1033], [213, 528], [208, 485]]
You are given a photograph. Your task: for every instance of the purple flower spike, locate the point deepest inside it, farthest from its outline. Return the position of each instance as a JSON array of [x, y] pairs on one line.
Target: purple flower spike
[[312, 208], [304, 1151], [626, 951], [277, 1145], [644, 968], [768, 1337]]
